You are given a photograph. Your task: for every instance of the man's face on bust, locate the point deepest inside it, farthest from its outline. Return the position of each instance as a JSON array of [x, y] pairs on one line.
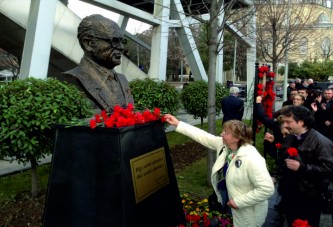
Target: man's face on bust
[[107, 44], [108, 53]]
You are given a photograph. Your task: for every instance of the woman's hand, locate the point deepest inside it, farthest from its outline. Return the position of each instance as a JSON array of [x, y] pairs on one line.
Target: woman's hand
[[170, 119], [232, 204]]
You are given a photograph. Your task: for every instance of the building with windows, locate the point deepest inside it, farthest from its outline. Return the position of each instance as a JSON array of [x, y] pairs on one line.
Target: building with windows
[[300, 30]]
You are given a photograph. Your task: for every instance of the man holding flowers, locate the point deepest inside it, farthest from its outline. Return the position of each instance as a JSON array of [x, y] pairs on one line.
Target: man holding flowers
[[305, 160]]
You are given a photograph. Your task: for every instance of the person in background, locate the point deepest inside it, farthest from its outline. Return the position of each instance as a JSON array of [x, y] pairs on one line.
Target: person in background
[[298, 83], [298, 100], [305, 84], [239, 175], [291, 87], [290, 98], [305, 160], [323, 114], [311, 84], [232, 106]]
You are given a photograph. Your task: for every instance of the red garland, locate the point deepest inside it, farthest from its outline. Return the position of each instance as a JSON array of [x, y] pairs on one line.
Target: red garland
[[122, 117], [268, 95]]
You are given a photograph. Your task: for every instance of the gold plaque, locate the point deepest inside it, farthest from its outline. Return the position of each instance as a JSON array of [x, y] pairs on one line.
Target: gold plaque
[[149, 173]]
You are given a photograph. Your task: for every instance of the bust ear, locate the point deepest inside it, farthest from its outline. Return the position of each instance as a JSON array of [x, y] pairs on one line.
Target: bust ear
[[87, 44]]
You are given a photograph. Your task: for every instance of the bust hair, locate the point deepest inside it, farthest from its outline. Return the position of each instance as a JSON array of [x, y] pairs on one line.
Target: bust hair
[[300, 113], [98, 26], [240, 130], [234, 90]]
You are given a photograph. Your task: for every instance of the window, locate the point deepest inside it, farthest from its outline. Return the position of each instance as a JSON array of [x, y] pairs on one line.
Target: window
[[326, 46], [303, 46], [323, 18]]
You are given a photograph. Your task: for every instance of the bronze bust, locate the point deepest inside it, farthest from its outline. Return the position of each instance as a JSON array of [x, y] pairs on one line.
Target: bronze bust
[[102, 42]]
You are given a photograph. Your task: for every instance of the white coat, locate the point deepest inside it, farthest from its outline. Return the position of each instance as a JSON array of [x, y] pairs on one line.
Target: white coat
[[249, 185]]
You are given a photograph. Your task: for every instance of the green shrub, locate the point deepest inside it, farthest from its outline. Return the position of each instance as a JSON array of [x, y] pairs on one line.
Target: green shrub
[[149, 93], [28, 109], [195, 98]]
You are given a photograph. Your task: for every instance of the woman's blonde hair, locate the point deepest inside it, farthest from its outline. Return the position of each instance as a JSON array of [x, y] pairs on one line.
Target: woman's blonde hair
[[240, 131]]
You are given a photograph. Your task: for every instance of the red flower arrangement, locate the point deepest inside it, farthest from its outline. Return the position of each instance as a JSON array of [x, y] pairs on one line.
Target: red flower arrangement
[[197, 213], [265, 89], [292, 151], [122, 117], [301, 223]]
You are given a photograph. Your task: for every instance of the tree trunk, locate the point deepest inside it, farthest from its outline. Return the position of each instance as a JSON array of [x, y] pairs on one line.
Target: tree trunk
[[212, 54], [34, 177]]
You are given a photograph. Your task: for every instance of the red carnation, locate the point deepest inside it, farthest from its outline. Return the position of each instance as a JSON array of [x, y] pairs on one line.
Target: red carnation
[[301, 223], [98, 118], [163, 119], [117, 109], [278, 145], [104, 115], [157, 112], [130, 107], [93, 123], [292, 151]]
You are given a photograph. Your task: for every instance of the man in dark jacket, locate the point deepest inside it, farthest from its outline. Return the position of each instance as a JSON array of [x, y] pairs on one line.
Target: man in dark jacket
[[303, 171], [232, 106]]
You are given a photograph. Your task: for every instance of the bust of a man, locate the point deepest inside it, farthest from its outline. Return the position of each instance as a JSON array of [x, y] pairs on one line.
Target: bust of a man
[[102, 42]]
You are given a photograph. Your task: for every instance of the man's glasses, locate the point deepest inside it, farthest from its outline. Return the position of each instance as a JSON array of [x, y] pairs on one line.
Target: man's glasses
[[114, 41]]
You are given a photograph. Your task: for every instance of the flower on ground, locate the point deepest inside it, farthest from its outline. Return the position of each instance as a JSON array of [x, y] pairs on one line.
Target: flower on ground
[[197, 213]]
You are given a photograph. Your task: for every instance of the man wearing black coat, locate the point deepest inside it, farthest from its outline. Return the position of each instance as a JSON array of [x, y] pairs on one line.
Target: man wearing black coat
[[232, 106], [303, 172]]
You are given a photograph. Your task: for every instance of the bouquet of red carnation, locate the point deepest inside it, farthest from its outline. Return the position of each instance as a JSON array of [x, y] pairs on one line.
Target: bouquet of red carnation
[[122, 117], [292, 151], [301, 223]]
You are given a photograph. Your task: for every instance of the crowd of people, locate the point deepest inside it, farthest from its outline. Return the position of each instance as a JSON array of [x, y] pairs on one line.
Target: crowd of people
[[299, 139]]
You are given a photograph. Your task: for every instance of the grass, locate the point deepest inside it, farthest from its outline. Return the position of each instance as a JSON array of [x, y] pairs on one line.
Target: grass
[[192, 179], [13, 185]]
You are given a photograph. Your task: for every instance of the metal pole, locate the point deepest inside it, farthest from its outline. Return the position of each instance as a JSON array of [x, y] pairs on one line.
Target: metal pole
[[181, 70], [286, 64], [138, 54], [234, 74], [254, 114]]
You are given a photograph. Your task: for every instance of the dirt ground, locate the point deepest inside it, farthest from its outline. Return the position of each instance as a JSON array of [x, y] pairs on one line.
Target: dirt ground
[[25, 211]]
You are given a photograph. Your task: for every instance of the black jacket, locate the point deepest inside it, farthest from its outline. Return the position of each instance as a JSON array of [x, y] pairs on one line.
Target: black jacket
[[316, 163], [232, 108], [274, 125]]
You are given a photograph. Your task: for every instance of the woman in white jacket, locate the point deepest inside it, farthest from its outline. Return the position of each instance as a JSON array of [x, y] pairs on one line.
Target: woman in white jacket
[[245, 177]]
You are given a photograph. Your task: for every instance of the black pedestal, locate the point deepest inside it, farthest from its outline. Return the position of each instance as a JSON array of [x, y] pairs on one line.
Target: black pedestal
[[112, 177]]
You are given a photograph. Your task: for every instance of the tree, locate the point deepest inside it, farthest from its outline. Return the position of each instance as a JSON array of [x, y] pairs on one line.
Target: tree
[[195, 96], [29, 108], [149, 94], [10, 62], [220, 13], [318, 71], [281, 26]]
